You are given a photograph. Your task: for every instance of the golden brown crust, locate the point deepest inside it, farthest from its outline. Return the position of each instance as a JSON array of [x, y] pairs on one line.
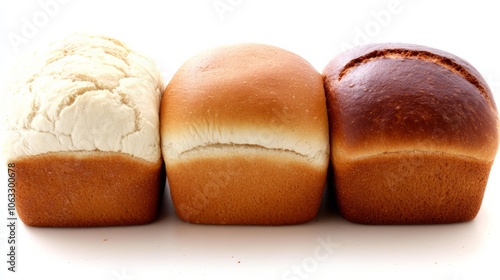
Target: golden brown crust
[[246, 188], [242, 94], [414, 133], [87, 189], [252, 75]]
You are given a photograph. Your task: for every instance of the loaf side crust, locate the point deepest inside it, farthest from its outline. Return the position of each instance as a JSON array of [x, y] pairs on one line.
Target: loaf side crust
[[87, 189], [411, 188], [246, 187]]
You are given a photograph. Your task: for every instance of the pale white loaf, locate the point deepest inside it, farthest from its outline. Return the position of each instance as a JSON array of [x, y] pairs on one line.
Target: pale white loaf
[[59, 100], [82, 134]]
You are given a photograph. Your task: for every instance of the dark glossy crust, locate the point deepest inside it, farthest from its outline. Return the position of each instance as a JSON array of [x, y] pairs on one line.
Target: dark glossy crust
[[406, 96]]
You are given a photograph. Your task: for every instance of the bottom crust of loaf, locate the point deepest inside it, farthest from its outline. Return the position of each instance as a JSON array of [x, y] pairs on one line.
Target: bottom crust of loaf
[[246, 189], [411, 188], [87, 189]]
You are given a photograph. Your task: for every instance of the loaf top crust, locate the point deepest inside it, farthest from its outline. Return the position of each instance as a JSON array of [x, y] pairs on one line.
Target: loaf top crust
[[250, 96], [83, 93], [391, 98]]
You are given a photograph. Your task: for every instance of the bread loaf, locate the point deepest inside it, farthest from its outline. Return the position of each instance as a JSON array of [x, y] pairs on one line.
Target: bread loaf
[[414, 134], [82, 129], [245, 137]]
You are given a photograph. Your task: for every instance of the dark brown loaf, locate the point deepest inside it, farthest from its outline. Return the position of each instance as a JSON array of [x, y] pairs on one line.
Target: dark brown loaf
[[245, 137], [414, 133]]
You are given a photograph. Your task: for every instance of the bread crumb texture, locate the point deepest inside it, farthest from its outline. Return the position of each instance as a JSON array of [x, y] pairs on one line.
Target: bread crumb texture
[[83, 93]]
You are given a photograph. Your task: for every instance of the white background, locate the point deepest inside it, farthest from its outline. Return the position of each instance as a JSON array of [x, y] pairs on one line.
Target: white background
[[329, 247]]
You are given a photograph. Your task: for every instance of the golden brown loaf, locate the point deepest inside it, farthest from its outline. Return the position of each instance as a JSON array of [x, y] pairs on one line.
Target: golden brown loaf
[[245, 137], [414, 134], [82, 128]]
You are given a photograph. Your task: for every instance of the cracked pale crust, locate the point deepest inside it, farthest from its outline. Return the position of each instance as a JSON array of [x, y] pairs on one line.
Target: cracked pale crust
[[84, 93]]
